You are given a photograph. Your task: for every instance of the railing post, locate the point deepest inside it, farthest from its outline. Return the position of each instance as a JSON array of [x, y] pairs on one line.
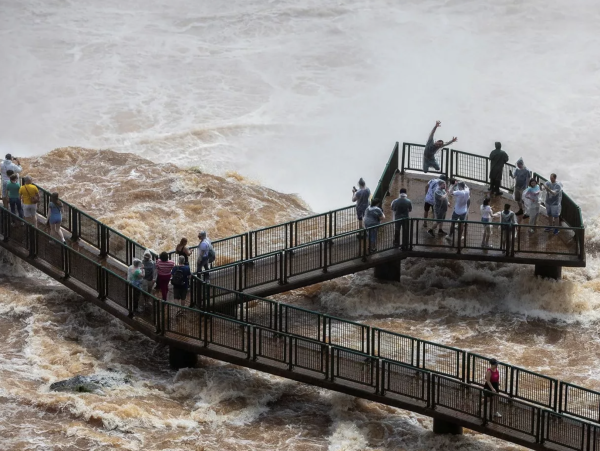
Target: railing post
[[451, 157], [433, 382], [513, 231], [75, 232], [103, 241], [403, 157], [365, 234], [102, 284], [283, 266], [32, 235], [460, 232]]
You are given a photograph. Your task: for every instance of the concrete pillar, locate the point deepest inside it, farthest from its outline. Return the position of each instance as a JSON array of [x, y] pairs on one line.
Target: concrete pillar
[[388, 271], [548, 272], [445, 427], [178, 358]]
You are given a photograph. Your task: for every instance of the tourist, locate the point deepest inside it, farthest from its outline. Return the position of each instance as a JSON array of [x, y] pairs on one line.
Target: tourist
[[430, 189], [373, 216], [180, 279], [498, 158], [440, 208], [531, 199], [149, 272], [9, 164], [402, 208], [521, 175], [361, 197], [55, 217], [553, 202], [486, 217], [492, 383], [202, 263], [135, 275], [431, 149], [30, 196], [183, 251], [13, 188], [508, 219], [163, 274], [462, 195]]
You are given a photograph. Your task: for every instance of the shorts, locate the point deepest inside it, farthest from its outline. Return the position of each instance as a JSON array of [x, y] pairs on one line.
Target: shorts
[[55, 219], [430, 164], [487, 390], [441, 214], [485, 219], [4, 189], [518, 194], [428, 206], [29, 210], [360, 214], [553, 210]]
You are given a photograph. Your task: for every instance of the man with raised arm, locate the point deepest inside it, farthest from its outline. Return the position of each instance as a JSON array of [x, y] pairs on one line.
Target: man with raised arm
[[431, 149]]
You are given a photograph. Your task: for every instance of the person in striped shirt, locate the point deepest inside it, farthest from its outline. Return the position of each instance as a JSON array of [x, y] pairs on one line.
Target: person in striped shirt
[[163, 270]]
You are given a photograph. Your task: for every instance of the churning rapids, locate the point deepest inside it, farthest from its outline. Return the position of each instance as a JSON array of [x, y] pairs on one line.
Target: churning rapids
[[207, 109]]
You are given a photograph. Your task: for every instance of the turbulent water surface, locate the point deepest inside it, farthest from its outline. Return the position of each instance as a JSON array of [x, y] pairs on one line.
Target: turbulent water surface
[[207, 108]]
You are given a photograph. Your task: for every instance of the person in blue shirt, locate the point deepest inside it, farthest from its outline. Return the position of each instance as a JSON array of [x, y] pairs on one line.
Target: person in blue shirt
[[361, 197]]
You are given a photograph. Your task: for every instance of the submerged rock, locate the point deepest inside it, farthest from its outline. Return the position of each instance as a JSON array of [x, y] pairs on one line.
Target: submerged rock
[[90, 384]]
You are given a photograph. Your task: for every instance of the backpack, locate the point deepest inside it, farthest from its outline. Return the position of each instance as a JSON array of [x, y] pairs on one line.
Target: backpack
[[178, 279], [211, 254]]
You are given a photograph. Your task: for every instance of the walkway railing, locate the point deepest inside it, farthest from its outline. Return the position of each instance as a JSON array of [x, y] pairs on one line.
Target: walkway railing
[[515, 382], [372, 360], [92, 231]]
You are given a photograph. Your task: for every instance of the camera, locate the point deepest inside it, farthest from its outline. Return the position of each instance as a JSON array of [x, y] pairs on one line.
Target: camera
[[354, 188]]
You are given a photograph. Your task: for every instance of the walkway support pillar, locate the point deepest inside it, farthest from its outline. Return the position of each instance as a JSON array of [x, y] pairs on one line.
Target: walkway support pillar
[[548, 272], [446, 427], [388, 271], [178, 358]]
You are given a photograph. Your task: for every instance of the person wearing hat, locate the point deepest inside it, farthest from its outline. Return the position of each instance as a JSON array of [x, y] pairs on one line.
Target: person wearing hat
[[361, 197], [9, 164], [492, 383], [498, 158]]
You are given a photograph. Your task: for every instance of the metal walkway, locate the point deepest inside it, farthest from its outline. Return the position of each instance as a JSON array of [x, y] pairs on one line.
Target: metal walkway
[[428, 378]]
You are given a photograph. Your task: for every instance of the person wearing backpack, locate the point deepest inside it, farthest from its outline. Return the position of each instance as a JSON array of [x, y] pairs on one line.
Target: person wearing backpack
[[30, 196], [180, 279], [206, 255]]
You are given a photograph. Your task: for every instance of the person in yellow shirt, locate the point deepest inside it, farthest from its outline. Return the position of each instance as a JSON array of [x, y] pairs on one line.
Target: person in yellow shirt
[[29, 197]]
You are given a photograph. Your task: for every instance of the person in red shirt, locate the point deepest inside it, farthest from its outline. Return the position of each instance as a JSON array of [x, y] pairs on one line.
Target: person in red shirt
[[164, 266], [492, 383]]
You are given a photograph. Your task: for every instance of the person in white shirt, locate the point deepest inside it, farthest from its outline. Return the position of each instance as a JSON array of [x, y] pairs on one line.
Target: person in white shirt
[[202, 263], [461, 194], [8, 165], [486, 217]]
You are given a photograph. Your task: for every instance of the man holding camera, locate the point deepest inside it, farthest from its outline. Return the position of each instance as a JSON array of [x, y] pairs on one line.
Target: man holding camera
[[9, 164]]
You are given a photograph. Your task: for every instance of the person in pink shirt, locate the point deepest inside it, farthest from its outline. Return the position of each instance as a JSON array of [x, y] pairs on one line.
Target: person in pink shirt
[[163, 270]]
